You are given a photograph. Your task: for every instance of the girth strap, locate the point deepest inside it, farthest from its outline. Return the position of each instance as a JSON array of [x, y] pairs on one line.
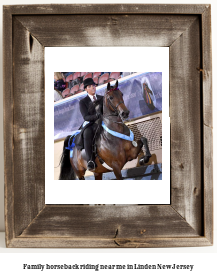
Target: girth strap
[[103, 163]]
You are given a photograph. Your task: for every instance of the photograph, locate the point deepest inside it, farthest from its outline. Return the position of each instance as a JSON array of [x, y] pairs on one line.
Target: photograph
[[104, 130], [108, 125]]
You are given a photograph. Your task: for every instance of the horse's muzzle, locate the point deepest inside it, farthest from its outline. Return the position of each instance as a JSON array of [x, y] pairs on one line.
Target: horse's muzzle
[[125, 114]]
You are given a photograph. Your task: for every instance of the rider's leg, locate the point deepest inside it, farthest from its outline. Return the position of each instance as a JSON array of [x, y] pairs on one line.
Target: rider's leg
[[88, 138]]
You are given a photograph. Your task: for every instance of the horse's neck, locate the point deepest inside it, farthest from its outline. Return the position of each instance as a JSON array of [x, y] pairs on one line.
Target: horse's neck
[[114, 122]]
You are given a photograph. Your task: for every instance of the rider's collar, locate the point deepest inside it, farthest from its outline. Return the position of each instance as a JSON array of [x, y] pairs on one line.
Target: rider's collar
[[91, 97]]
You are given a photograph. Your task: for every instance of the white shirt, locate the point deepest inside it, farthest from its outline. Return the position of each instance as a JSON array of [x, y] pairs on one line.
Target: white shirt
[[91, 97], [57, 96]]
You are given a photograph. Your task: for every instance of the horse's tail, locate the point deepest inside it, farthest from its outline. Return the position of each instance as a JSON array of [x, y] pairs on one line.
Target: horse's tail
[[66, 170]]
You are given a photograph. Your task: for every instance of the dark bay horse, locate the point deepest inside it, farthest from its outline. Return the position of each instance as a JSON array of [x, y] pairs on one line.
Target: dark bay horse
[[112, 150]]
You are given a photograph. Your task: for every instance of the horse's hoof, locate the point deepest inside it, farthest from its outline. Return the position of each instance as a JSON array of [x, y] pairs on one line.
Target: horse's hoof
[[144, 159]]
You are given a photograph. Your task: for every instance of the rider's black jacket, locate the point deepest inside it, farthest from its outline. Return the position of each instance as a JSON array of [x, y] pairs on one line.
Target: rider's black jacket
[[87, 114]]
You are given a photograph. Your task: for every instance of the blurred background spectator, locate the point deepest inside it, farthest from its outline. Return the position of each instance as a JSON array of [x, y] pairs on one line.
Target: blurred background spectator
[[59, 83], [57, 96], [67, 84]]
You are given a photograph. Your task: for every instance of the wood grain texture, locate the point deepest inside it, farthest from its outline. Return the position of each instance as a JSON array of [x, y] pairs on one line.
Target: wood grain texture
[[107, 30], [106, 9], [34, 242], [186, 30], [207, 67], [29, 139], [208, 183], [207, 118], [185, 116], [8, 125], [109, 222]]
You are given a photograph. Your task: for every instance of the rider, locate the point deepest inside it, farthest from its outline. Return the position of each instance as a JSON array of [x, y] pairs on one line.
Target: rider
[[90, 116]]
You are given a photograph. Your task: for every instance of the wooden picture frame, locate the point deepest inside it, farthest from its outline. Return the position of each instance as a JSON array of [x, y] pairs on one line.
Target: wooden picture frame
[[186, 30]]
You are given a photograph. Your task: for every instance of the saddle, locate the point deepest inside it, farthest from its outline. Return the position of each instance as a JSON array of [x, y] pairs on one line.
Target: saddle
[[79, 141]]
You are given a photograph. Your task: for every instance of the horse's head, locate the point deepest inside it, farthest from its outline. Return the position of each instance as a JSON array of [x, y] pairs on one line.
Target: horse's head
[[114, 101]]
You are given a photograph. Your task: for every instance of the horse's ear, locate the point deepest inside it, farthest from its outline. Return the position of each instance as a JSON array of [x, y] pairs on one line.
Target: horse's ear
[[108, 86], [116, 84]]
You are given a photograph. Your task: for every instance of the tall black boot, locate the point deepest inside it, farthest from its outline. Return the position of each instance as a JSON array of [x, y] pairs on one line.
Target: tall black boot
[[88, 138]]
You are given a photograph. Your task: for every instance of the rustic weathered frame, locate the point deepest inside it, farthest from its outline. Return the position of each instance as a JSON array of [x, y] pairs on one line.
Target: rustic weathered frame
[[186, 29]]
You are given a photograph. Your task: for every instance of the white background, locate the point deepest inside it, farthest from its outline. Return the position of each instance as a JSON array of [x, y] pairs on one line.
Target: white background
[[128, 59], [204, 258]]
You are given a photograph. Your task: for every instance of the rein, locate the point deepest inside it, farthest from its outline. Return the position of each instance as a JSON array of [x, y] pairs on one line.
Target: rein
[[115, 108], [107, 115], [117, 115]]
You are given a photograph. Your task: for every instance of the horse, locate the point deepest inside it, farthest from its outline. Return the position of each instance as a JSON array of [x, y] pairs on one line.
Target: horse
[[112, 151]]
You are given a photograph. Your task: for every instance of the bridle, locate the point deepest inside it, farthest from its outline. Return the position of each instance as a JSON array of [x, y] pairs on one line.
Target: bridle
[[114, 107]]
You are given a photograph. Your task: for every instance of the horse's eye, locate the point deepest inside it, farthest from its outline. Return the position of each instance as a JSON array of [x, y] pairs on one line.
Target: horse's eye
[[111, 98]]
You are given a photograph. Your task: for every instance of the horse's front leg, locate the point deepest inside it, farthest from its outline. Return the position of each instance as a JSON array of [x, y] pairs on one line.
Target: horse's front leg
[[98, 176], [147, 156], [117, 170], [136, 150], [132, 151]]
